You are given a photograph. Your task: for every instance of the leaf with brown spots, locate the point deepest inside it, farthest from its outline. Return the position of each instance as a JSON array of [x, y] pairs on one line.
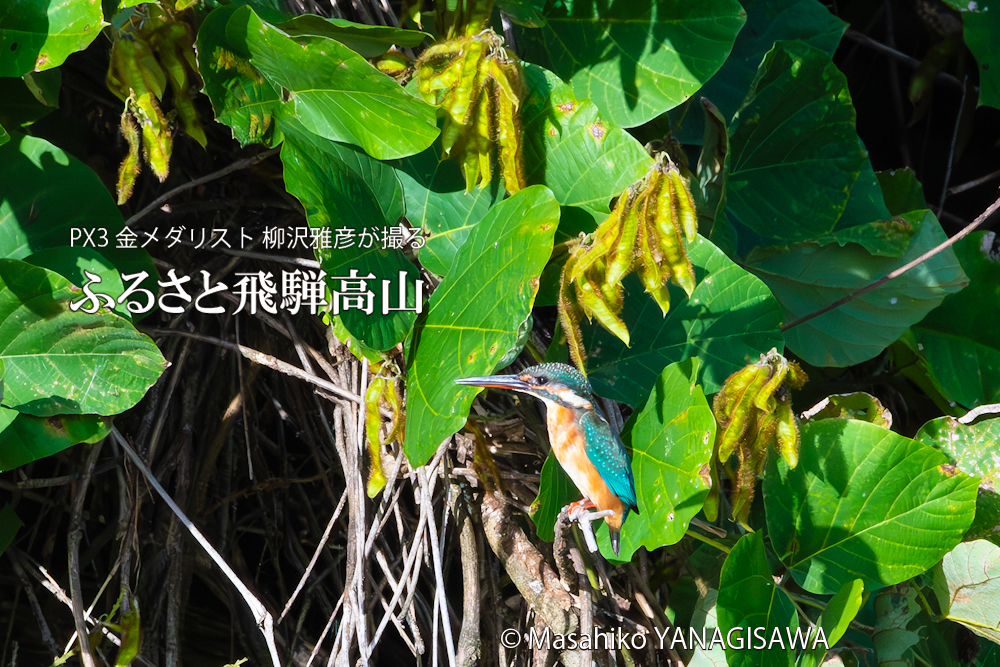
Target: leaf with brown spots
[[25, 438], [475, 315], [41, 35]]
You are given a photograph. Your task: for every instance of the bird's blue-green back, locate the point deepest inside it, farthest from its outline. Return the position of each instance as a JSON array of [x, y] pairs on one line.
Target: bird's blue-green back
[[607, 452]]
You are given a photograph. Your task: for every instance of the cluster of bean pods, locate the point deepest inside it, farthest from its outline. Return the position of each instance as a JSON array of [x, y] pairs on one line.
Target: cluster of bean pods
[[754, 409], [154, 49], [647, 232], [480, 89]]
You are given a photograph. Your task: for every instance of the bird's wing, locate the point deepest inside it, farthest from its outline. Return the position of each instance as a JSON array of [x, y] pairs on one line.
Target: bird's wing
[[606, 451]]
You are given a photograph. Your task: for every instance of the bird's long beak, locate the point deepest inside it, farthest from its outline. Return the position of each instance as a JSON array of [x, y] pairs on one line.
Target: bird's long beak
[[496, 381]]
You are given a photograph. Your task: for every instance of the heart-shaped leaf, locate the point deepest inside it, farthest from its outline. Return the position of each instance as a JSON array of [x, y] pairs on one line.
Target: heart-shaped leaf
[[636, 59], [434, 191], [584, 159], [341, 187], [475, 315], [794, 152], [768, 21], [671, 438], [59, 361], [864, 503]]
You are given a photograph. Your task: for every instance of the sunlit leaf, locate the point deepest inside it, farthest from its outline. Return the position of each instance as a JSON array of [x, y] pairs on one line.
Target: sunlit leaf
[[333, 91], [635, 59], [59, 361], [584, 159], [863, 503], [749, 598], [967, 586], [671, 438], [972, 448], [40, 34], [475, 315]]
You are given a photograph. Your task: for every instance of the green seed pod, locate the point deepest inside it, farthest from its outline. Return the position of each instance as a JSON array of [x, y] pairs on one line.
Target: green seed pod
[[130, 166]]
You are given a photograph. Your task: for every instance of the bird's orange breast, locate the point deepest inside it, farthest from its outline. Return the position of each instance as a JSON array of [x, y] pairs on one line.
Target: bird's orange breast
[[569, 446]]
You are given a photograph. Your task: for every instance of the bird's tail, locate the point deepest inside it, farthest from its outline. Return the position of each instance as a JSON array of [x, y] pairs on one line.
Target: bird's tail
[[616, 539]]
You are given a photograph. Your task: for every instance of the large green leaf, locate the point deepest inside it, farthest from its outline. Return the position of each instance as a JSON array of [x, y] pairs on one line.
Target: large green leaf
[[973, 449], [749, 599], [568, 146], [334, 92], [981, 26], [40, 34], [768, 21], [475, 315], [730, 318], [240, 96], [864, 503], [59, 361], [44, 193], [339, 186], [795, 153], [806, 277], [967, 586], [635, 59], [26, 438], [370, 41], [9, 522], [436, 200], [959, 338], [671, 438]]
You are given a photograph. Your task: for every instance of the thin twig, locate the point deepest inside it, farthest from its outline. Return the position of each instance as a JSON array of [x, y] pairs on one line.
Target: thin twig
[[974, 183], [909, 61], [265, 622], [954, 140], [73, 546], [36, 609], [262, 359], [315, 556], [898, 272], [236, 166]]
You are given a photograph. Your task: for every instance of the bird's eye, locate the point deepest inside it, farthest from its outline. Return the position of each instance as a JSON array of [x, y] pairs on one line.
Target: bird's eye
[[541, 380]]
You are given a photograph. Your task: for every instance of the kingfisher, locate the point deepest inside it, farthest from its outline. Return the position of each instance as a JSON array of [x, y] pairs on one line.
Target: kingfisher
[[584, 443]]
